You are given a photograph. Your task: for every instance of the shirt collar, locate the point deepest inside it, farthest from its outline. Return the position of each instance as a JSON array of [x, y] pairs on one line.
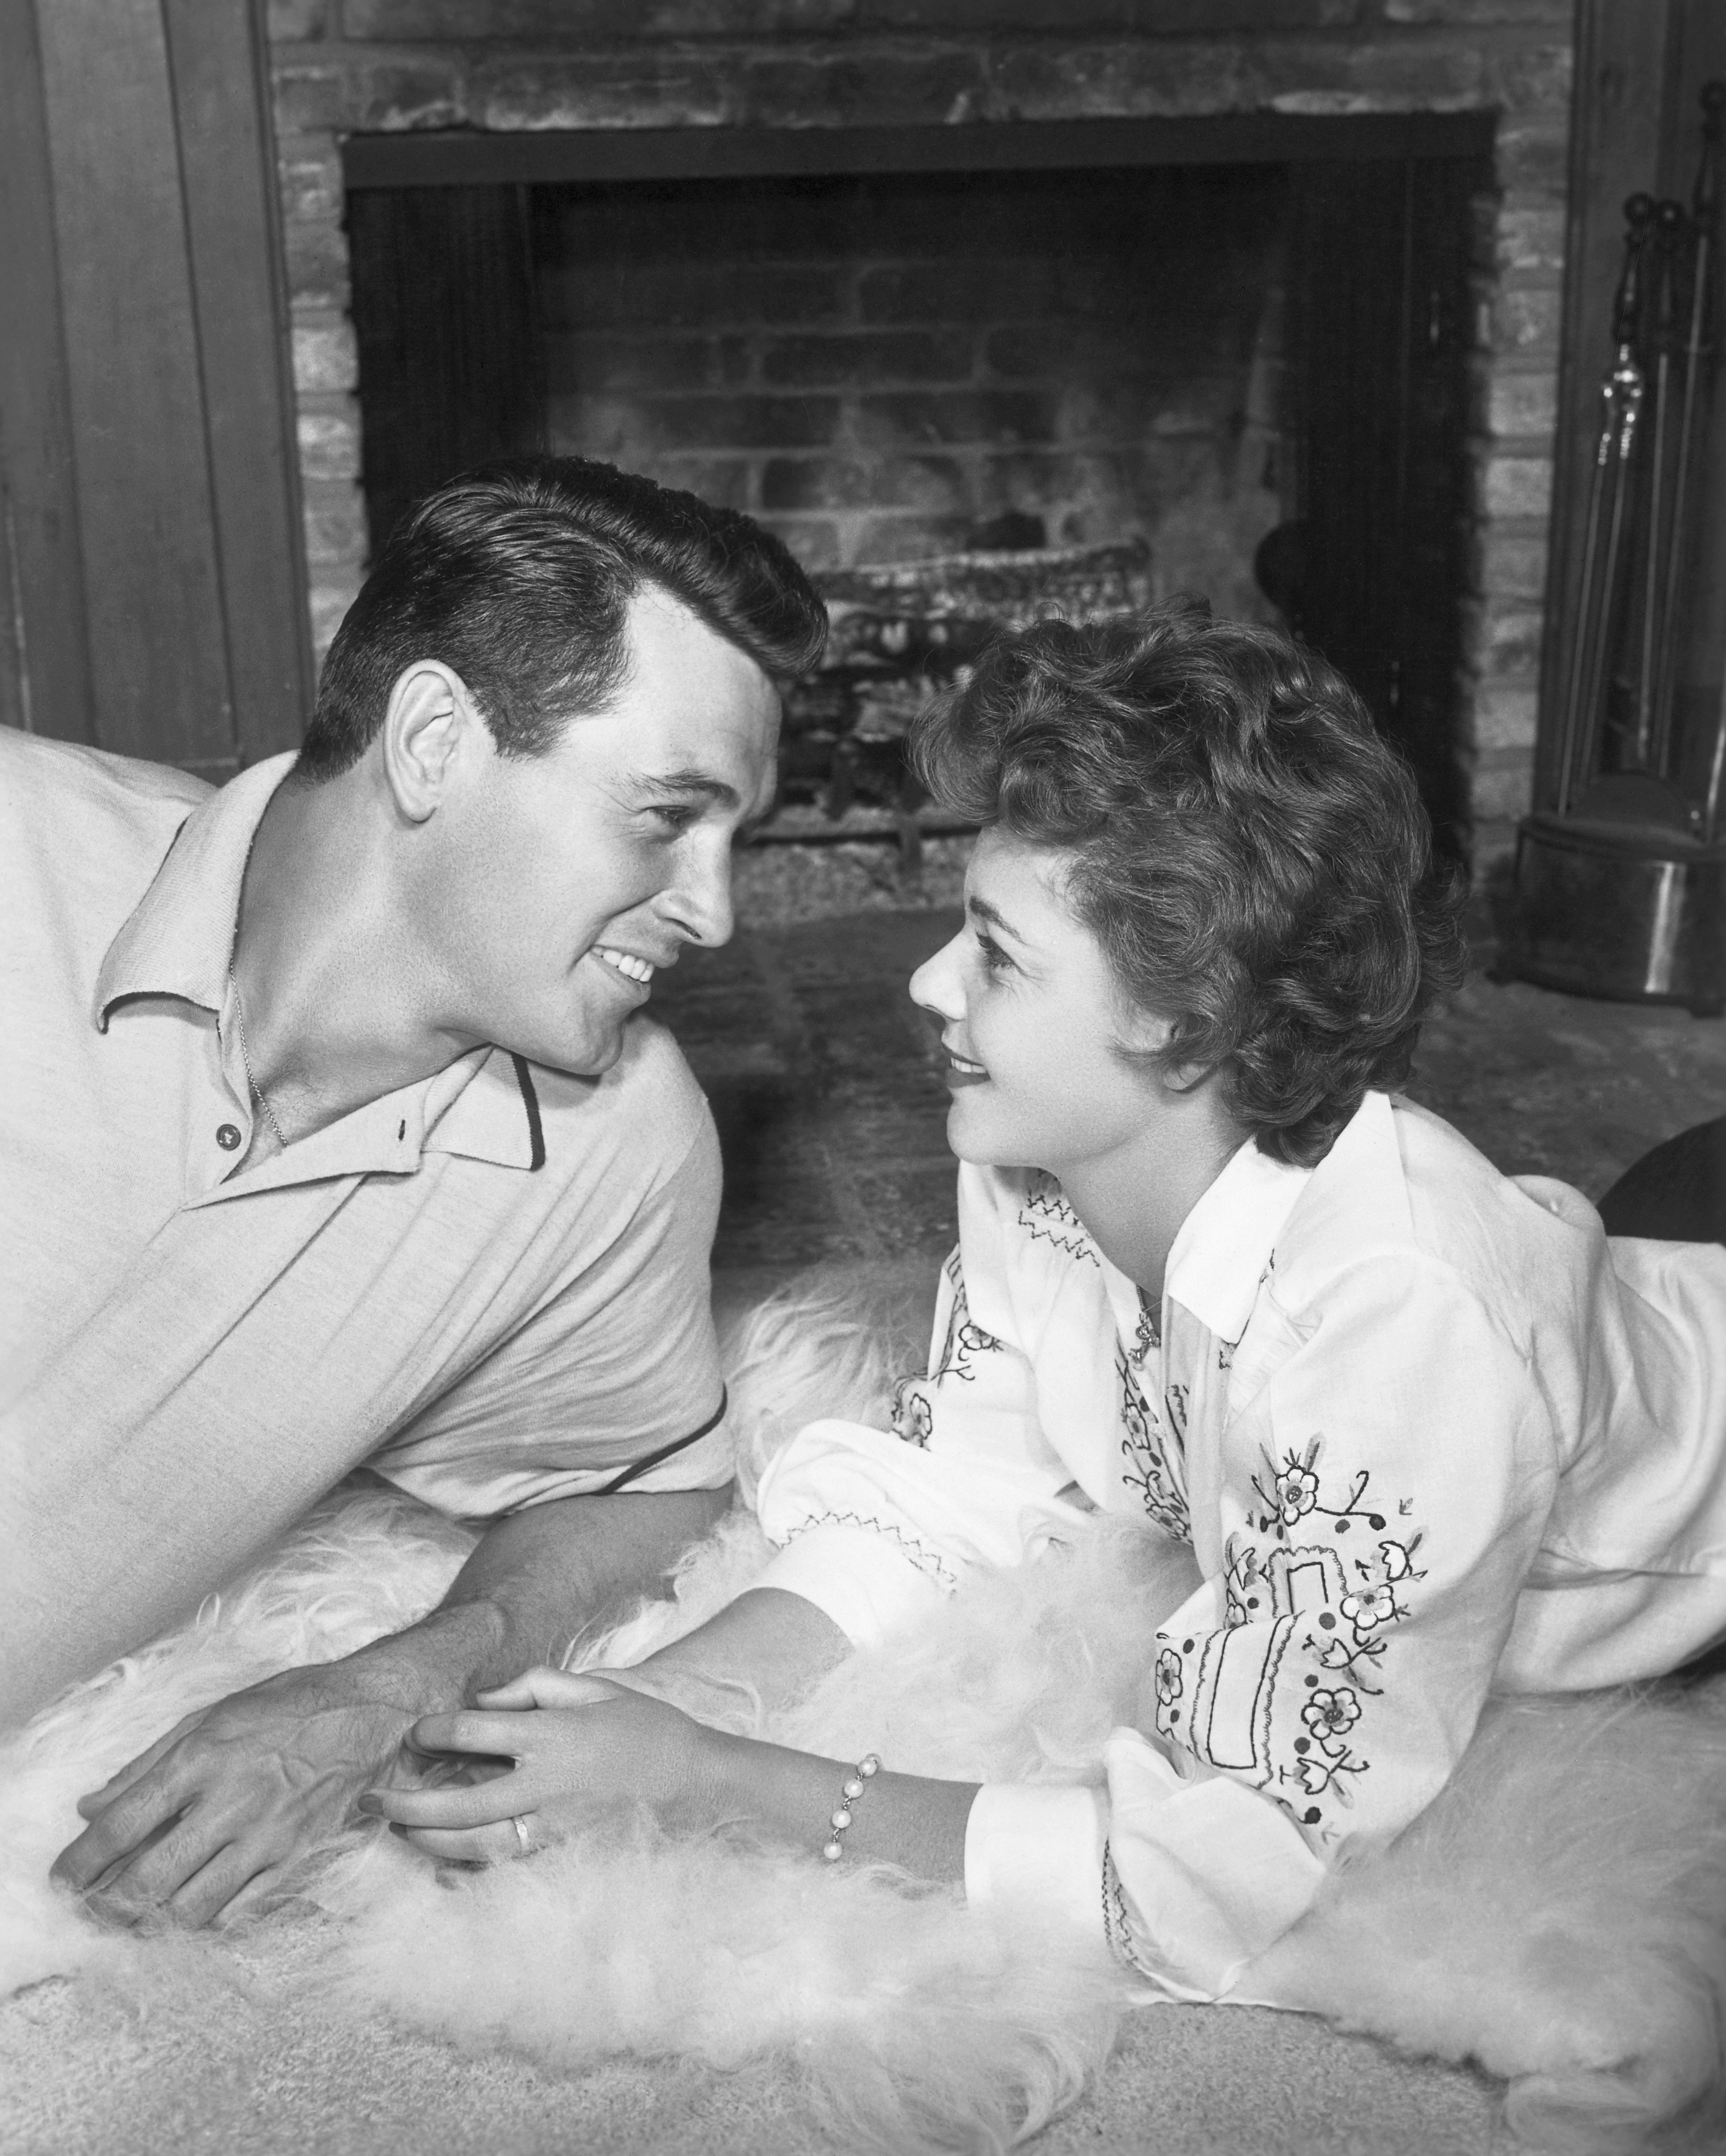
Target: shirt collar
[[178, 940], [494, 1117], [1224, 1247]]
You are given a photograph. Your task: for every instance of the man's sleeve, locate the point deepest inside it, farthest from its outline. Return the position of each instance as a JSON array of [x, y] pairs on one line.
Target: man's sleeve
[[612, 1381]]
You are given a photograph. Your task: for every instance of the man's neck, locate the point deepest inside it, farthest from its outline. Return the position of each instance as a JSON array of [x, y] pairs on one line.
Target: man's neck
[[324, 965]]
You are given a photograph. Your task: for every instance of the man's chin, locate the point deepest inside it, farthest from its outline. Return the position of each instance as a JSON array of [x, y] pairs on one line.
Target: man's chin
[[592, 1057]]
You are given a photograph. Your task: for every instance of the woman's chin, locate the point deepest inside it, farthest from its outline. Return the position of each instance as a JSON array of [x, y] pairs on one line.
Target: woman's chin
[[970, 1138]]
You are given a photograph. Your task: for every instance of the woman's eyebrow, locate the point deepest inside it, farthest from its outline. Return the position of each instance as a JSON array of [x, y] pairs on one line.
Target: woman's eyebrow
[[994, 917]]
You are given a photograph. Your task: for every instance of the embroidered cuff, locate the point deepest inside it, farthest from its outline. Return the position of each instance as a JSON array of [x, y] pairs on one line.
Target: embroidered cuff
[[1035, 1850], [858, 1576]]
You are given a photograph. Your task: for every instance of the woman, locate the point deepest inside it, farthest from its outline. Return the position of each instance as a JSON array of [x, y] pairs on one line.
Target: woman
[[1425, 1432]]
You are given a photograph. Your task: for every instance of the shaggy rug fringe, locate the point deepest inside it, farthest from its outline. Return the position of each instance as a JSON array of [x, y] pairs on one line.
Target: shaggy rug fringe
[[1558, 1916]]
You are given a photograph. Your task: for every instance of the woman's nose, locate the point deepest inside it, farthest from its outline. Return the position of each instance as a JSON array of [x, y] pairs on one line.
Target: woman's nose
[[936, 985]]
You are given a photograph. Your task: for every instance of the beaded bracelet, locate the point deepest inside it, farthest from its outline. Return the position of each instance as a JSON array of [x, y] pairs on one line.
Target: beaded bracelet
[[856, 1783]]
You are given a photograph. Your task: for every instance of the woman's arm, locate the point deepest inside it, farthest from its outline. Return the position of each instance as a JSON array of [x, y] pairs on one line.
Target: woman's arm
[[1381, 1503], [583, 1749]]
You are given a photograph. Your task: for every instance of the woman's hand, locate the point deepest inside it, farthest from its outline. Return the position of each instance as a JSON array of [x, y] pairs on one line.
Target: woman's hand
[[579, 1748]]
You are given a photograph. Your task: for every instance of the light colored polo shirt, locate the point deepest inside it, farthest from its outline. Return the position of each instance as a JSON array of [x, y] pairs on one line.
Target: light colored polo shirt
[[491, 1285]]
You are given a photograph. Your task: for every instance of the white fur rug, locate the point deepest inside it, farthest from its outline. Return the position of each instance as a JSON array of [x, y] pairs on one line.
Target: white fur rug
[[1558, 1916]]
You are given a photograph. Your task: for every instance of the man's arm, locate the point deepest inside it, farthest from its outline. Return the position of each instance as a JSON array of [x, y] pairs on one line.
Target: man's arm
[[768, 1644], [208, 1817]]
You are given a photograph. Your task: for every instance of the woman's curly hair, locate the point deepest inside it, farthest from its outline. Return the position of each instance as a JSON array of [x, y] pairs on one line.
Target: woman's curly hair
[[1253, 857]]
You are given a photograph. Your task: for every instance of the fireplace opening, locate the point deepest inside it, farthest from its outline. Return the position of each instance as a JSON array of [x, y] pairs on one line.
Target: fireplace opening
[[1076, 386]]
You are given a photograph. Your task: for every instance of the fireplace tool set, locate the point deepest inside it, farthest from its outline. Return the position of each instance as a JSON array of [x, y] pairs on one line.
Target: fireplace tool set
[[1621, 888]]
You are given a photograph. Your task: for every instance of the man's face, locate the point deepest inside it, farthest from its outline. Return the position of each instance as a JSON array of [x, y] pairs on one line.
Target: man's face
[[565, 880]]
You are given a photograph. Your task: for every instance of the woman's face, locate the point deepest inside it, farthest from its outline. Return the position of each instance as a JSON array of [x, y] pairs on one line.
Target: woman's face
[[1032, 1024]]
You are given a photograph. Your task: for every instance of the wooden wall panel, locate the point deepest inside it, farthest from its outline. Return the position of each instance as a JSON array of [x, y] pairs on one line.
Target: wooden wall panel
[[44, 655], [219, 61], [151, 584], [146, 228]]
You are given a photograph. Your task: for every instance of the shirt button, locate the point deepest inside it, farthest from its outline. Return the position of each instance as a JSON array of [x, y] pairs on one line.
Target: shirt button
[[228, 1137]]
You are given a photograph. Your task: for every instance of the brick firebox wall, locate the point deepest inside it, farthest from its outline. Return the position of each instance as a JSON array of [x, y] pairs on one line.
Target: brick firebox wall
[[883, 368], [360, 65]]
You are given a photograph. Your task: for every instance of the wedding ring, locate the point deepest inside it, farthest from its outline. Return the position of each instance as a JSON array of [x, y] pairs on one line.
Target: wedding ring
[[519, 1823]]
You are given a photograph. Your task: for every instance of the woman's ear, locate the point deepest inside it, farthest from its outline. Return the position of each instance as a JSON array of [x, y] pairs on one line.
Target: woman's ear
[[1141, 1032], [1147, 1036]]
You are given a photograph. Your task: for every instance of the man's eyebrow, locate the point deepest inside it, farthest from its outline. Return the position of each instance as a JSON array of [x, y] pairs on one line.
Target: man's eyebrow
[[994, 917], [664, 784]]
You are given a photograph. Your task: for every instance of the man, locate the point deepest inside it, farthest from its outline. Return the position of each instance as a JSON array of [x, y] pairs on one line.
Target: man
[[333, 1136]]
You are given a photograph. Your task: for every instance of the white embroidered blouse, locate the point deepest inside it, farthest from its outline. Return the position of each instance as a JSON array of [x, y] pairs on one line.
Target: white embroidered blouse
[[1427, 1434]]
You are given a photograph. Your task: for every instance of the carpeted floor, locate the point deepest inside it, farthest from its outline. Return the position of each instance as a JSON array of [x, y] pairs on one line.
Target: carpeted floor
[[831, 1116], [80, 2079]]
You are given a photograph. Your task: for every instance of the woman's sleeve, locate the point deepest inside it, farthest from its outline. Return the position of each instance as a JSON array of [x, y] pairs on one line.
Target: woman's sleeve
[[873, 1526], [1381, 1503]]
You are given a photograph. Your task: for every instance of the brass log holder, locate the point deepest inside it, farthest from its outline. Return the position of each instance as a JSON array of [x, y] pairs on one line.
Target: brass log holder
[[1620, 887]]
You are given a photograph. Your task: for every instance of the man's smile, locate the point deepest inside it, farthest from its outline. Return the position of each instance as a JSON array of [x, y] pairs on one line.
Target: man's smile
[[626, 962]]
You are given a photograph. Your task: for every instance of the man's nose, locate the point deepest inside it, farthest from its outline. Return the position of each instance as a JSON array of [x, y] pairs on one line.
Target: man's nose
[[699, 902]]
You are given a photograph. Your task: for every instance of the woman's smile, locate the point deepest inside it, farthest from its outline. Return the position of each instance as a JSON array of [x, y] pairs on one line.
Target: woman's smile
[[960, 1070]]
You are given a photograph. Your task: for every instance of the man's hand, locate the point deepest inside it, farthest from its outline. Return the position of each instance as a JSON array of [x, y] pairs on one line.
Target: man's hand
[[203, 1822], [207, 1820]]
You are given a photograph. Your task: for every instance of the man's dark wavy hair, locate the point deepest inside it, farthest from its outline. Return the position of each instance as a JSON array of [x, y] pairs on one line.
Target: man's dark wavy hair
[[519, 576], [1253, 857]]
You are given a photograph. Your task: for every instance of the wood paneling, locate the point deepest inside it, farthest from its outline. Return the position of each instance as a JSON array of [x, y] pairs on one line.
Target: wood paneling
[[227, 164], [44, 653], [148, 211]]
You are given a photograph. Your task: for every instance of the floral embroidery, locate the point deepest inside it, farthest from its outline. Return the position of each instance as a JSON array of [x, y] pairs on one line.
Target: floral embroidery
[[913, 1411], [1146, 1470], [1374, 1604], [1149, 1333], [913, 1418], [1293, 1492], [1281, 1694], [1329, 1713], [1297, 1493], [1049, 1218], [1175, 1399], [965, 1339]]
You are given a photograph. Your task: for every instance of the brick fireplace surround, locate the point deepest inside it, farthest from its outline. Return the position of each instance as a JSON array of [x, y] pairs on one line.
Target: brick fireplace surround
[[348, 66]]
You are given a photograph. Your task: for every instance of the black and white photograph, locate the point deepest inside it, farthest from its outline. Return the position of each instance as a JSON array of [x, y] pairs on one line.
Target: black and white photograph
[[862, 1150]]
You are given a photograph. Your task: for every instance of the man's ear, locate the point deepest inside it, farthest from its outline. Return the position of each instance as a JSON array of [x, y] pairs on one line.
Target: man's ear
[[429, 724]]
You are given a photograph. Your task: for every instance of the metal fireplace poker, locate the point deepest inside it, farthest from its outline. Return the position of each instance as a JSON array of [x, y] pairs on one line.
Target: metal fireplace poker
[[1620, 889]]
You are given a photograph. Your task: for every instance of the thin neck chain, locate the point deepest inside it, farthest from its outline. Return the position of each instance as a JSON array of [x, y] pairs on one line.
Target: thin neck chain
[[258, 1092]]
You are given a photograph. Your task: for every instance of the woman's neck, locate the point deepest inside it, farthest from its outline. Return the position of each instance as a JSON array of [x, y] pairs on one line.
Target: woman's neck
[[1135, 1201]]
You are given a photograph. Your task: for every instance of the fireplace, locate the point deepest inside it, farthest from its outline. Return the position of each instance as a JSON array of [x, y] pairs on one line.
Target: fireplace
[[1274, 300]]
